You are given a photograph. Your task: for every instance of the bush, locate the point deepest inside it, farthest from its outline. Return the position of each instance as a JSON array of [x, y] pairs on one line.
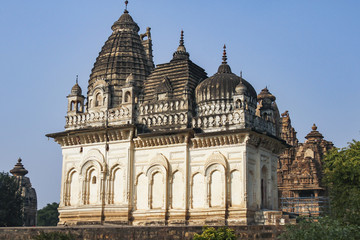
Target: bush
[[54, 236], [324, 228], [211, 233]]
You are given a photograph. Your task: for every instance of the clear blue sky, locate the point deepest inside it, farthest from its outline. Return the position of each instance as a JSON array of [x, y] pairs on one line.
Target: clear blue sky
[[307, 53]]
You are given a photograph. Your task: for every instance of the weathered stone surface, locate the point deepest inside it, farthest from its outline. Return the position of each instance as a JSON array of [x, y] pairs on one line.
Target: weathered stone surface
[[28, 193], [300, 170]]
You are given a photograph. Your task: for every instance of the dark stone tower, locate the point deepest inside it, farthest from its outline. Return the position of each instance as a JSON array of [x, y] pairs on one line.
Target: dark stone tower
[[27, 192]]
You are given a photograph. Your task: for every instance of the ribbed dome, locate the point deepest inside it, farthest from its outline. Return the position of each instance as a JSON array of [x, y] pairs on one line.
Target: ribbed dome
[[222, 85], [76, 90], [125, 21], [266, 94], [122, 54], [241, 88]]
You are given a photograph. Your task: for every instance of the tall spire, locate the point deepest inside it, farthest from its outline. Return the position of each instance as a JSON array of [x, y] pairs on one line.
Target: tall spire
[[181, 53], [182, 38], [224, 67], [224, 58], [77, 79], [126, 4]]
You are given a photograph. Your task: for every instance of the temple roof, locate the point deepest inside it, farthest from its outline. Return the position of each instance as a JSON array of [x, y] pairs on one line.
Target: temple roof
[[314, 134], [179, 75], [19, 170], [222, 84], [122, 54]]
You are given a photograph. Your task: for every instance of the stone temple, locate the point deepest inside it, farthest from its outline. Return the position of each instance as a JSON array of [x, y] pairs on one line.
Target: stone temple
[[27, 192], [167, 144]]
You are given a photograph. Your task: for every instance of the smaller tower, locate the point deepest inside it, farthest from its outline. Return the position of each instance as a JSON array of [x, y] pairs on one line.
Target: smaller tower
[[129, 99], [265, 107], [242, 97], [75, 100], [27, 192]]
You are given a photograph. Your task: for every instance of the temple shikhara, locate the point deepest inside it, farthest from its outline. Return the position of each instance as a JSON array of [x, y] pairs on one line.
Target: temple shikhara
[[28, 193], [167, 144], [300, 171]]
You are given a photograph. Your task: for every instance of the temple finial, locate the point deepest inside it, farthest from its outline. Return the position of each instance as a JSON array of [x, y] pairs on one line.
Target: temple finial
[[126, 4], [182, 38], [224, 58], [77, 79], [240, 74]]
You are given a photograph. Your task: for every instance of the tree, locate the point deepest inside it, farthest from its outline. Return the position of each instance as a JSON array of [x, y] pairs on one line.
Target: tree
[[48, 215], [211, 233], [342, 177], [11, 202]]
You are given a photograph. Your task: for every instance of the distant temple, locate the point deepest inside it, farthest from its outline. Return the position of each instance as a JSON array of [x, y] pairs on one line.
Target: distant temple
[[167, 144], [28, 193], [300, 171]]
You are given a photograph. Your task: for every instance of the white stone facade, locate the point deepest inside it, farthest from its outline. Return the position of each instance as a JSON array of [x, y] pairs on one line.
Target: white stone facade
[[129, 183], [166, 145]]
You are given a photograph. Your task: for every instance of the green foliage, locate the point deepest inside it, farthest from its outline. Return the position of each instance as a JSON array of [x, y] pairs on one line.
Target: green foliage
[[54, 236], [321, 229], [342, 176], [11, 202], [49, 215], [211, 233]]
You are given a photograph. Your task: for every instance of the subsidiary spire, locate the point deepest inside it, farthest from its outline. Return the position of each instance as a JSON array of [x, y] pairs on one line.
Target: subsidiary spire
[[126, 4], [181, 53], [224, 67], [224, 58], [182, 38]]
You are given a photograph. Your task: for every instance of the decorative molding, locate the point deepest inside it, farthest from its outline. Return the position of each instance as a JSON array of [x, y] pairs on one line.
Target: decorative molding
[[96, 136], [165, 140], [219, 140]]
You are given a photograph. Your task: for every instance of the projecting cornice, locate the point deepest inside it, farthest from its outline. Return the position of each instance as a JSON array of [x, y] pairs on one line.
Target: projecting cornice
[[163, 138], [241, 136], [93, 135]]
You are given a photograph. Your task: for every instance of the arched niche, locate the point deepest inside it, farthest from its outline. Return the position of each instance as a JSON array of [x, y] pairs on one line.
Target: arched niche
[[157, 175], [177, 190], [216, 179], [216, 157], [264, 187], [142, 196], [198, 195], [72, 188], [236, 191], [117, 184], [92, 173]]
